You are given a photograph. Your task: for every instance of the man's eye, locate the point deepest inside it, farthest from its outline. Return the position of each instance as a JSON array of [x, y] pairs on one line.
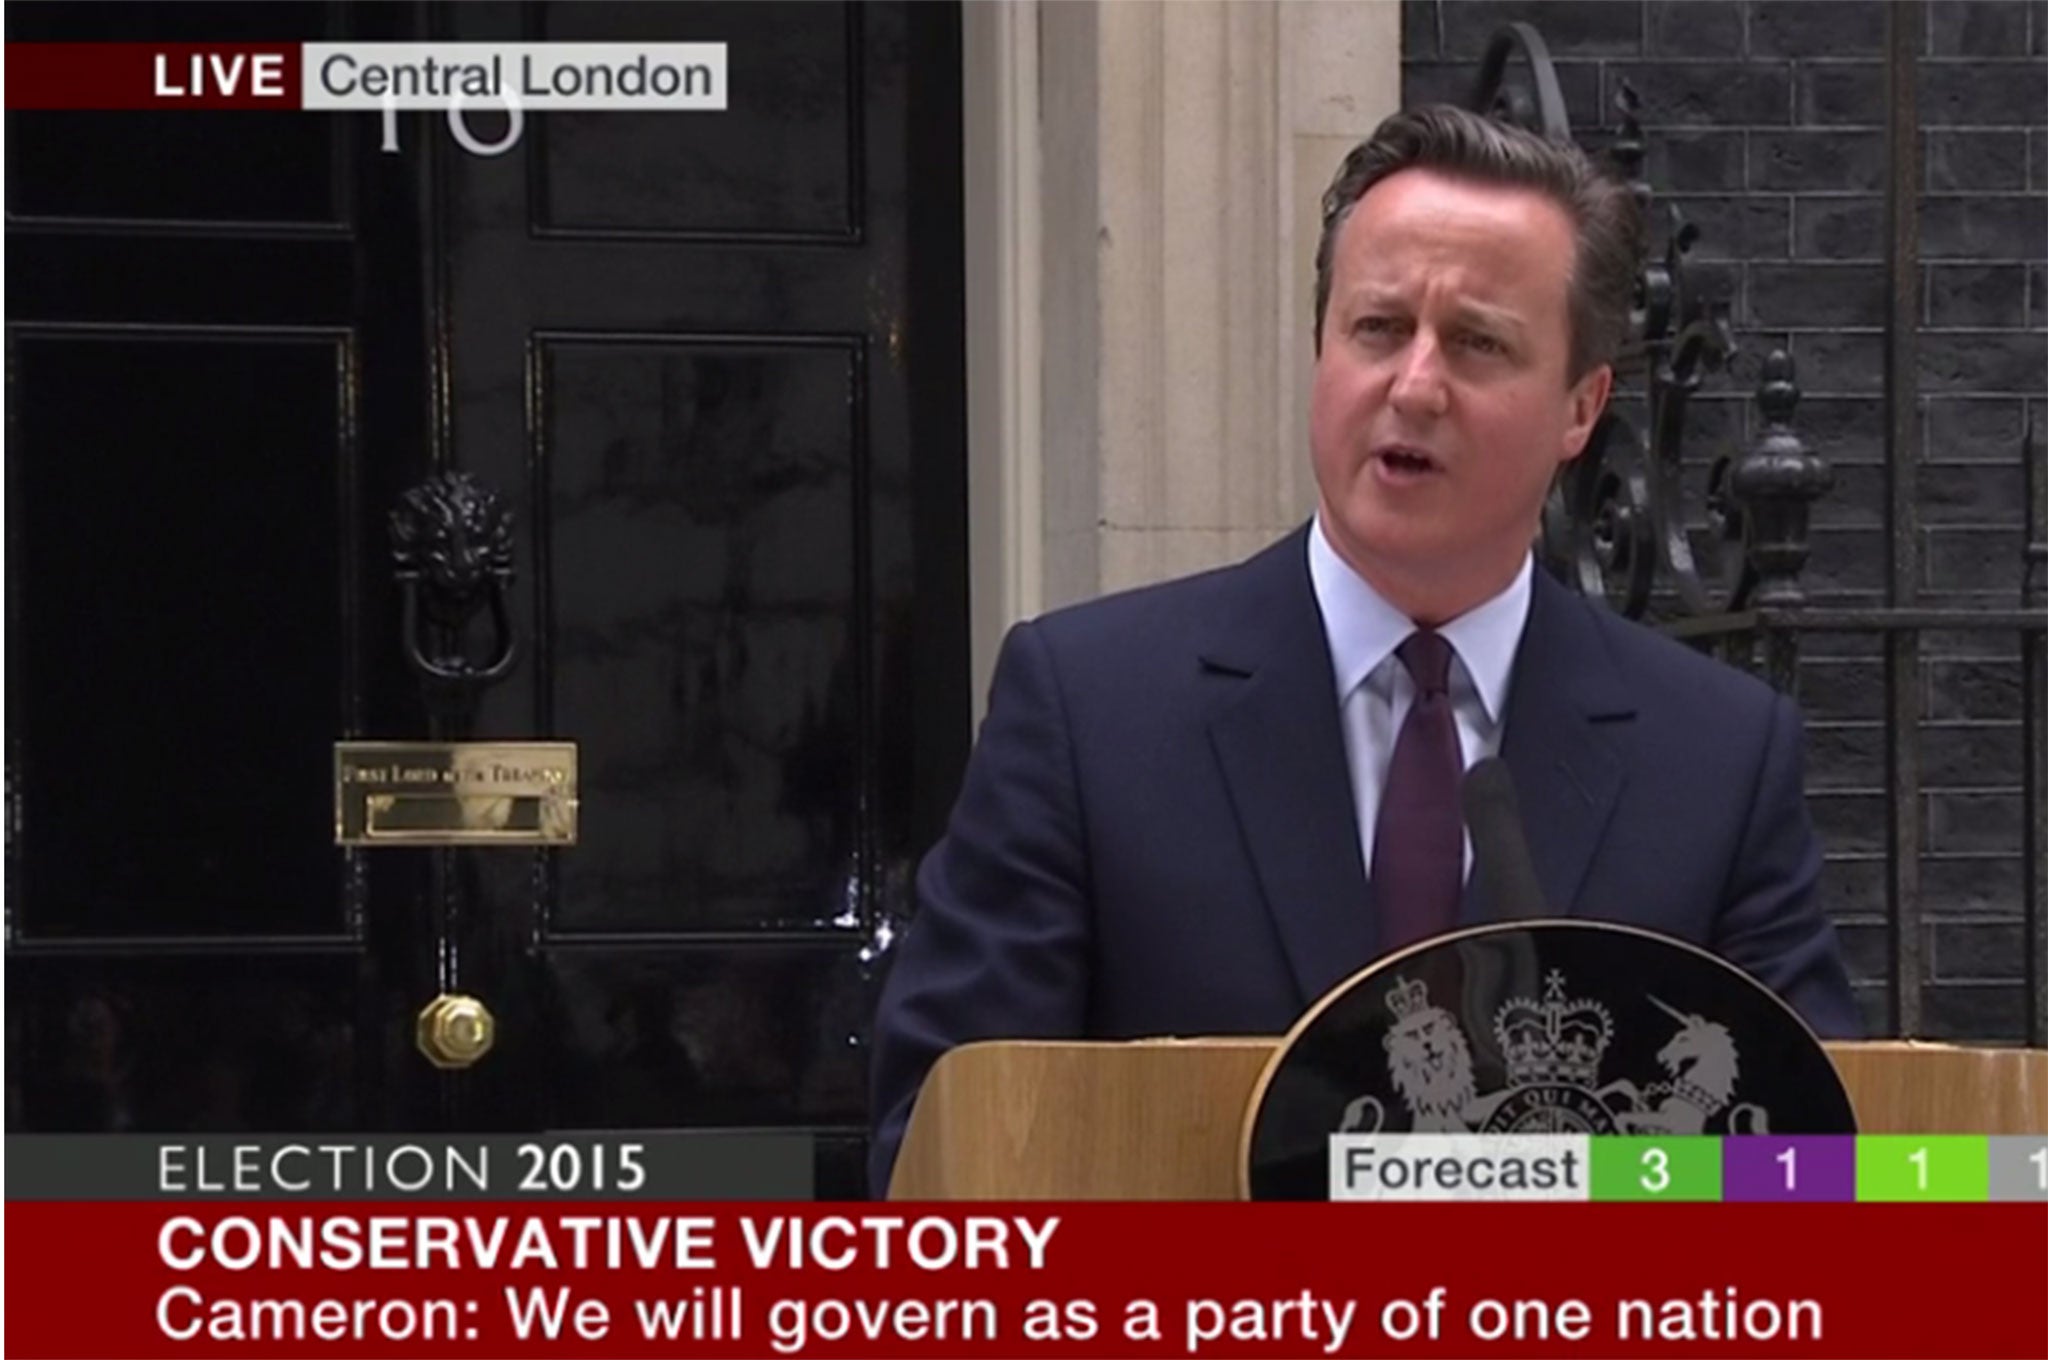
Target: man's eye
[[1377, 325], [1482, 344]]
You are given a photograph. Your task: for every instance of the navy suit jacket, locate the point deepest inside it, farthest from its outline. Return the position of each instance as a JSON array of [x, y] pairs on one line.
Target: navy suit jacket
[[1156, 834]]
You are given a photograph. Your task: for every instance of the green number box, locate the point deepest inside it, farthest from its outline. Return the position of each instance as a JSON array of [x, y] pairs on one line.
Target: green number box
[[1905, 1167], [1674, 1168]]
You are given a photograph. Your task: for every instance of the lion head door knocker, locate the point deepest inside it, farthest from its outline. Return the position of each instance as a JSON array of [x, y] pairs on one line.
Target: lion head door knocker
[[451, 549]]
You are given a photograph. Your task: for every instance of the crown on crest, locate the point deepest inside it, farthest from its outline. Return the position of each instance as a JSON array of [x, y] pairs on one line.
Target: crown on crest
[[1555, 1042], [1407, 998]]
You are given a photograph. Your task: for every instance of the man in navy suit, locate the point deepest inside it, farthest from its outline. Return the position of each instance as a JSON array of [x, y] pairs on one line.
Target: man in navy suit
[[1189, 803]]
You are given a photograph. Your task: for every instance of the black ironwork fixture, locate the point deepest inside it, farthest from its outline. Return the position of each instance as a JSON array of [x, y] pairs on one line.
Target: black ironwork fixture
[[1616, 525], [452, 554]]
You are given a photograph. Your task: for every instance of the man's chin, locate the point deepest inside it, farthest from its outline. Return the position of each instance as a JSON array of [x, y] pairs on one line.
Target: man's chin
[[1380, 539]]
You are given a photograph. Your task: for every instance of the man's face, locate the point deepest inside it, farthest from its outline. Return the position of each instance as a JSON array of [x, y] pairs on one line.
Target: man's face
[[1442, 404]]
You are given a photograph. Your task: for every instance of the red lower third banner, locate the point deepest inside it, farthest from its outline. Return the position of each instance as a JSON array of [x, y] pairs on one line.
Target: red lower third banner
[[1012, 1280]]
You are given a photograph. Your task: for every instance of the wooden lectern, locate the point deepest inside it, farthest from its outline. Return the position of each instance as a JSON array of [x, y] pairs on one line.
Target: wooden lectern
[[1161, 1119]]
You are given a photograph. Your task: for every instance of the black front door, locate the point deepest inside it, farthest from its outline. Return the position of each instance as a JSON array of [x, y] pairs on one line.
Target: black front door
[[704, 369]]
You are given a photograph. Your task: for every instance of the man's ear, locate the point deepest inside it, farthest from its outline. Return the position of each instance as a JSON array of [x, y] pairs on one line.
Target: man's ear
[[1588, 399]]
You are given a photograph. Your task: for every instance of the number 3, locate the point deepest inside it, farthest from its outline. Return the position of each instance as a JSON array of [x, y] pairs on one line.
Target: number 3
[[1657, 1178]]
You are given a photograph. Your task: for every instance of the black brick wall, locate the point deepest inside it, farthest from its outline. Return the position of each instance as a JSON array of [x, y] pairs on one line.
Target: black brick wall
[[1766, 124]]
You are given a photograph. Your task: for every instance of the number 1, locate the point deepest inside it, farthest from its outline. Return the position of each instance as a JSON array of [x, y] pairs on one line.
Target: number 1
[[2040, 1161], [1919, 1160], [1789, 1159]]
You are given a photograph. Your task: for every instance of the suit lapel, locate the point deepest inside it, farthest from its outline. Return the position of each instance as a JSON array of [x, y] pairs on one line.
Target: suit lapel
[[1278, 742], [1280, 747], [1560, 743]]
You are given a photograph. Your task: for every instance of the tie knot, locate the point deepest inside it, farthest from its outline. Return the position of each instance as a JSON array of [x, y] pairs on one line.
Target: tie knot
[[1428, 659]]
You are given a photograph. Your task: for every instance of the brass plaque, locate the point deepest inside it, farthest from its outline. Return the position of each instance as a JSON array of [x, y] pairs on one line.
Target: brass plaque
[[454, 793]]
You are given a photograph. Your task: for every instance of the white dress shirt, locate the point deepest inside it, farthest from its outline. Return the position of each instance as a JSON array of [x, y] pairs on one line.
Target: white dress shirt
[[1374, 689]]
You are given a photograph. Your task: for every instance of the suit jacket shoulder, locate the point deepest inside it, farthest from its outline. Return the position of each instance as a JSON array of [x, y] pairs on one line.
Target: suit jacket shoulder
[[1156, 621], [1230, 618], [1658, 667]]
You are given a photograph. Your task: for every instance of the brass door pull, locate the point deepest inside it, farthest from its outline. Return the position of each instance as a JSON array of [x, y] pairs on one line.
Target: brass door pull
[[455, 1030]]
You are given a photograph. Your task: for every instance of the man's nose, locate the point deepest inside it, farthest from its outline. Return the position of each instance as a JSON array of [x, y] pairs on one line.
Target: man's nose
[[1419, 388]]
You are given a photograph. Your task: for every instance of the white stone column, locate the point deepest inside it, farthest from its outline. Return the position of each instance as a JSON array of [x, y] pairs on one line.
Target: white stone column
[[1180, 151]]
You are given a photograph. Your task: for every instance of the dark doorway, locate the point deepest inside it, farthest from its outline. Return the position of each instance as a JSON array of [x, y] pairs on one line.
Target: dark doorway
[[709, 365]]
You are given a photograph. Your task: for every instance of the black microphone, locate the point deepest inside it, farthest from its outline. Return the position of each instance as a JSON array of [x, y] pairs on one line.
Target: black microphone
[[1500, 851]]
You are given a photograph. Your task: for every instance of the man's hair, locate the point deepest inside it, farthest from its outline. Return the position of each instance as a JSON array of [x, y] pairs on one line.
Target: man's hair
[[1606, 221]]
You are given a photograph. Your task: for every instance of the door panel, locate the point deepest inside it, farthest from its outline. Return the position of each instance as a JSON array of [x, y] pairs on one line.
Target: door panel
[[191, 698], [700, 506], [303, 184], [207, 171]]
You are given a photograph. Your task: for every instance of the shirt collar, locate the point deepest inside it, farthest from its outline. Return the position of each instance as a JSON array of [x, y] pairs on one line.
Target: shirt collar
[[1363, 629]]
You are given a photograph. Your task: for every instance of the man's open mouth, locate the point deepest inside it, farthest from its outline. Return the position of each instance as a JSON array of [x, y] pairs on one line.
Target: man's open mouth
[[1407, 459]]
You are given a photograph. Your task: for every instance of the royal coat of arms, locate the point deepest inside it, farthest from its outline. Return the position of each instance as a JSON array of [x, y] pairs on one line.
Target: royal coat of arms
[[1551, 1052]]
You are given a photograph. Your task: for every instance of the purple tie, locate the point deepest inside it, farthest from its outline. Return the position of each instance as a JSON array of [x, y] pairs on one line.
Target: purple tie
[[1418, 846]]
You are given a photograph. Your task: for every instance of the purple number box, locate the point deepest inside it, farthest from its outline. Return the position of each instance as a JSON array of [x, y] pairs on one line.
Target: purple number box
[[1814, 1169]]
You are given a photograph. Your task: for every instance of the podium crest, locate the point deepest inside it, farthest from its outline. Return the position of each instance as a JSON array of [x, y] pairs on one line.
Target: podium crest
[[1538, 1027], [1552, 1051]]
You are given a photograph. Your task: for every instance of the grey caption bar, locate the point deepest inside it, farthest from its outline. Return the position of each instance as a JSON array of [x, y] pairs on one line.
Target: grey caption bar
[[708, 1164]]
